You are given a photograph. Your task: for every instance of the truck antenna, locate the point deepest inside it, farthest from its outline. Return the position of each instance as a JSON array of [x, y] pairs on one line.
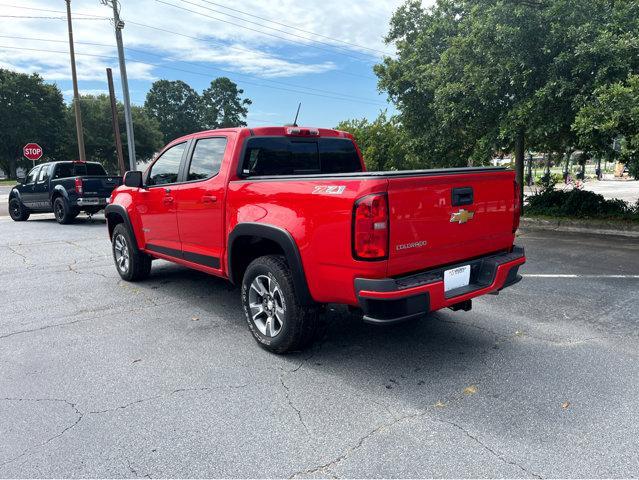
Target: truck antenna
[[297, 114]]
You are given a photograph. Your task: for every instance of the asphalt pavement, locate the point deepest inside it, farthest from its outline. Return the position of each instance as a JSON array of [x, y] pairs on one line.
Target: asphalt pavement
[[103, 378]]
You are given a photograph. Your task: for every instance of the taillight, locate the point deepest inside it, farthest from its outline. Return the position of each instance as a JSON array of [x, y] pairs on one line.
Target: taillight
[[516, 207], [370, 227], [78, 185]]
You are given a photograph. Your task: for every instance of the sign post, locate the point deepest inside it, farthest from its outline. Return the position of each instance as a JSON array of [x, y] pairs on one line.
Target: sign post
[[32, 151]]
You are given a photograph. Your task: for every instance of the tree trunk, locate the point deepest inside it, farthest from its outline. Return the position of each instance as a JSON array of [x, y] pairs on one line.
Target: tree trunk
[[519, 166], [13, 166]]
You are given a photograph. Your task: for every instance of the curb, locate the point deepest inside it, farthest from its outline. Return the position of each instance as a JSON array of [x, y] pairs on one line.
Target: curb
[[596, 227]]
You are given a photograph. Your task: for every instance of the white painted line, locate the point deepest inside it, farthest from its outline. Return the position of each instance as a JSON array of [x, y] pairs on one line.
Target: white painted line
[[568, 275]]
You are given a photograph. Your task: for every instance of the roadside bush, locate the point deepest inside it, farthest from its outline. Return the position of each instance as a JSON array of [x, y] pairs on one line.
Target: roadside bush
[[579, 204]]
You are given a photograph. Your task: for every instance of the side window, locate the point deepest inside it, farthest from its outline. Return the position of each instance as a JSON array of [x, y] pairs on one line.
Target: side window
[[207, 158], [166, 168], [32, 175], [44, 174]]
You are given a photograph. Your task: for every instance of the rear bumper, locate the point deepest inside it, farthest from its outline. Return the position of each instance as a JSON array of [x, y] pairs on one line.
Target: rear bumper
[[390, 300], [91, 202]]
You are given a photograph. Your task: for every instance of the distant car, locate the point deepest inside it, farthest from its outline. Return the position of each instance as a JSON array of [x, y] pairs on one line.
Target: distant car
[[64, 188]]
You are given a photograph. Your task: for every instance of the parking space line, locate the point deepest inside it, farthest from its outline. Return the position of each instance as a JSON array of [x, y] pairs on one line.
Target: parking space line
[[574, 275]]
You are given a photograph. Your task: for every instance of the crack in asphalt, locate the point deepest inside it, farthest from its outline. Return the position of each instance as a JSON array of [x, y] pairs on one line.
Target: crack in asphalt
[[290, 402], [80, 414], [489, 449], [50, 439]]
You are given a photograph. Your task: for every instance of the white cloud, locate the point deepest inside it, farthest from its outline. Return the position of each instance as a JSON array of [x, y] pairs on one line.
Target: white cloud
[[210, 43]]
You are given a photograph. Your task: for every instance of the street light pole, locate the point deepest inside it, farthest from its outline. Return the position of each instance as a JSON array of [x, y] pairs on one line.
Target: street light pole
[[119, 25], [76, 94]]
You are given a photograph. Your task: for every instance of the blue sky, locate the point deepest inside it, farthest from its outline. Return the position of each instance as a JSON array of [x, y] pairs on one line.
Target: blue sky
[[325, 62]]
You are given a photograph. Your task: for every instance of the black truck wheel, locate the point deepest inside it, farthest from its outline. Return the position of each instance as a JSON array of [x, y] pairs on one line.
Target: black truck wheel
[[18, 211], [64, 214], [274, 314], [132, 265]]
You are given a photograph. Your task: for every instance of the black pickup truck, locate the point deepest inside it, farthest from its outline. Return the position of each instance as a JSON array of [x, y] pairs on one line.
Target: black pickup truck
[[64, 188]]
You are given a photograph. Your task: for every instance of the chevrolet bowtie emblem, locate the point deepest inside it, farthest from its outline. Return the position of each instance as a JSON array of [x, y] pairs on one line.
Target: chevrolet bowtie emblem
[[462, 216]]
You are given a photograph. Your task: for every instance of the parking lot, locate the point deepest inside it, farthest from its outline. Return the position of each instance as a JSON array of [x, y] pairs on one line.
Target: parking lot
[[102, 378]]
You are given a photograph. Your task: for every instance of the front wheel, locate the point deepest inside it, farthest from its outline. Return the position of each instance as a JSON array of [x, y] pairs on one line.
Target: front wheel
[[131, 264], [18, 211], [274, 314]]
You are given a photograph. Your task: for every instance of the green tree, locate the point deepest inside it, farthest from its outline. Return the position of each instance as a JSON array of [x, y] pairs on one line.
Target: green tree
[[176, 106], [99, 140], [30, 111], [472, 77], [383, 142], [222, 105], [612, 114]]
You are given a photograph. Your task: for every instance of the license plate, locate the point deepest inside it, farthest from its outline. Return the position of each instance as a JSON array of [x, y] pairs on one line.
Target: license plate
[[456, 277], [90, 201]]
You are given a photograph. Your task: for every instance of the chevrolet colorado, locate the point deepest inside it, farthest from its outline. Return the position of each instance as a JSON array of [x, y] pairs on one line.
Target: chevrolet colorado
[[292, 216], [64, 188]]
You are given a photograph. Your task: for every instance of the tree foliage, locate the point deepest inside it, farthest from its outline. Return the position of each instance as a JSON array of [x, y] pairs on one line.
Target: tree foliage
[[613, 114], [176, 106], [222, 106], [383, 142], [99, 140], [30, 111], [472, 77]]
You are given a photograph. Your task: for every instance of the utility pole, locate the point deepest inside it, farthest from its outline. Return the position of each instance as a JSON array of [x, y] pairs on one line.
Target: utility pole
[[114, 121], [76, 95], [119, 25]]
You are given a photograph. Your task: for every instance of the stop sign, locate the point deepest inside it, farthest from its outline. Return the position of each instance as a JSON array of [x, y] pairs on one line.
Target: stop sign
[[32, 151]]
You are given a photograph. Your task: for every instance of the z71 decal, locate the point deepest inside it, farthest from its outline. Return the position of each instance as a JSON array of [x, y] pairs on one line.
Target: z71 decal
[[329, 189]]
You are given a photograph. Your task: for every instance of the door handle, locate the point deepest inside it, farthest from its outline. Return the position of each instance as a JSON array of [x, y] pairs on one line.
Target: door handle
[[167, 200], [209, 199]]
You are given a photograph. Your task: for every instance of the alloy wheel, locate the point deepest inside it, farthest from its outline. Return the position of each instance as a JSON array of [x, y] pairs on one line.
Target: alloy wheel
[[267, 305], [121, 249]]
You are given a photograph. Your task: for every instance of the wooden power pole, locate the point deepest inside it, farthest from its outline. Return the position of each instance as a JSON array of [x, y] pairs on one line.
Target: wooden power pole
[[116, 125], [76, 95]]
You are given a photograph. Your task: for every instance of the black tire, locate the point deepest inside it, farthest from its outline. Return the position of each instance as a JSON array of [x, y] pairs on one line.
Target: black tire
[[64, 214], [137, 265], [284, 325], [18, 211]]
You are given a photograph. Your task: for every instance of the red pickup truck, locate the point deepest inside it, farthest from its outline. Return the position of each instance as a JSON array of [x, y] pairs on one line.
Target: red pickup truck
[[291, 215]]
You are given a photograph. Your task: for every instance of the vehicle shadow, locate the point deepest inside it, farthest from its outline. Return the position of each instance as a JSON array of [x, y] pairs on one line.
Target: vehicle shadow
[[438, 350]]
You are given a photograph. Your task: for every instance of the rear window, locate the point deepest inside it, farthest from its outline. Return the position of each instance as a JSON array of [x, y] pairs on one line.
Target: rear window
[[73, 169], [294, 156]]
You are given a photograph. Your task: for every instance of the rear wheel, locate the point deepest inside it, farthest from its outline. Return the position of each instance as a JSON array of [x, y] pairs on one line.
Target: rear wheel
[[64, 214], [274, 314], [17, 210], [132, 265]]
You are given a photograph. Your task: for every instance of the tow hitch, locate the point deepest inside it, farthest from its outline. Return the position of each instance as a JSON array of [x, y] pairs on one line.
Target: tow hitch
[[466, 305]]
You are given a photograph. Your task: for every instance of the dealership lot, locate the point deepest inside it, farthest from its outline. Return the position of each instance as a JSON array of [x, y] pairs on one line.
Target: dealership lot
[[102, 378]]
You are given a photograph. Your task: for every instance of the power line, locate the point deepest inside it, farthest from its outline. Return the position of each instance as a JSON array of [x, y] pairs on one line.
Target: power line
[[333, 39], [206, 40], [302, 87], [265, 33], [48, 18], [198, 73]]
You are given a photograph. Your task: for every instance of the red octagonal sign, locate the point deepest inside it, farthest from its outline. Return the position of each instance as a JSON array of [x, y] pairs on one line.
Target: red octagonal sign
[[32, 151]]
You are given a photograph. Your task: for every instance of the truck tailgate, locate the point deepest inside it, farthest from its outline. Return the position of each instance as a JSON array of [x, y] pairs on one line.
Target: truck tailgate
[[99, 186], [444, 219]]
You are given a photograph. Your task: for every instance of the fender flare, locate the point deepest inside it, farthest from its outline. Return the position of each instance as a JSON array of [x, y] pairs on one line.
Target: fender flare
[[120, 211], [58, 190], [15, 193], [284, 239]]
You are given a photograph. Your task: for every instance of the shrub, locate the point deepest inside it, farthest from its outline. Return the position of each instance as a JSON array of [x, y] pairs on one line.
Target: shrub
[[579, 204]]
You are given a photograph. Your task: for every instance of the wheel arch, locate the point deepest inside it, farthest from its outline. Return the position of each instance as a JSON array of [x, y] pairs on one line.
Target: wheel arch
[[116, 214], [251, 240]]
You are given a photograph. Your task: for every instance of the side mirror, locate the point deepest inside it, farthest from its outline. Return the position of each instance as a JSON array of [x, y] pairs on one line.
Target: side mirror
[[20, 178], [133, 178]]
